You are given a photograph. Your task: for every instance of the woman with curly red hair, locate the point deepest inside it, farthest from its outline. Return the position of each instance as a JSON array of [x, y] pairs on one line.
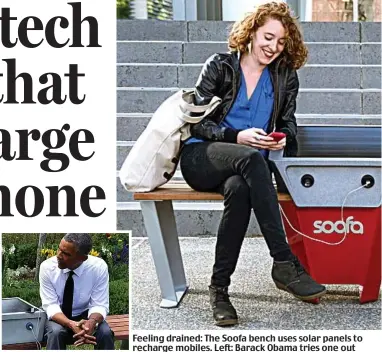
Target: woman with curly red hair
[[228, 150]]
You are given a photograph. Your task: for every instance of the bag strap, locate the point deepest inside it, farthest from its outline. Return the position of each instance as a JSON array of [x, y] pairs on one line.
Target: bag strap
[[187, 108]]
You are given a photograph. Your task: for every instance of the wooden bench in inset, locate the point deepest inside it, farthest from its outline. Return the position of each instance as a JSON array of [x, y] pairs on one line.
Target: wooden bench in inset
[[118, 323], [159, 219]]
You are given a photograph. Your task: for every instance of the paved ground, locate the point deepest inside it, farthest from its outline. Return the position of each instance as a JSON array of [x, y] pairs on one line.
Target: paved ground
[[259, 304]]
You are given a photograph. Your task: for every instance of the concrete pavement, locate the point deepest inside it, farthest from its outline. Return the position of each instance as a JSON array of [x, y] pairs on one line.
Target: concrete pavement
[[258, 303]]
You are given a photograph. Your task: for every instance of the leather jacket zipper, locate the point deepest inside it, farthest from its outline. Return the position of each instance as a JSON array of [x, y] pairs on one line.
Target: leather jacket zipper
[[235, 91]]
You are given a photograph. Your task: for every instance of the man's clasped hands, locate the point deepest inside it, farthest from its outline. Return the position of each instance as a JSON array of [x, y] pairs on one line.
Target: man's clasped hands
[[83, 332]]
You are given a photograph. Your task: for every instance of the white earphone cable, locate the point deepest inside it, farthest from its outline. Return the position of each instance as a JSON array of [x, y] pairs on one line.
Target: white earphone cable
[[37, 342], [342, 219]]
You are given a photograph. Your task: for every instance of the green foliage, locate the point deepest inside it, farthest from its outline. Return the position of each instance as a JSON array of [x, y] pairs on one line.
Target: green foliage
[[159, 9], [21, 273], [24, 255], [117, 346], [52, 238], [22, 238], [109, 239], [123, 9], [18, 238], [27, 290], [119, 297], [26, 245], [119, 272]]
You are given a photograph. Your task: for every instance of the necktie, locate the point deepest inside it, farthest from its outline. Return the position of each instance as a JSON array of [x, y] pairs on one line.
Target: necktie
[[67, 301]]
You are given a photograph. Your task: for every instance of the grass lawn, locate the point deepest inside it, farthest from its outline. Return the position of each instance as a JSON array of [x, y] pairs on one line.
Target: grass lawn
[[117, 345]]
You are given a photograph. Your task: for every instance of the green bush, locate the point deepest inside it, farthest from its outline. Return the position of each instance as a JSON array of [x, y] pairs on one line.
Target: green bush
[[109, 239], [24, 255], [19, 238], [29, 291], [98, 239], [159, 9], [119, 297], [119, 272], [24, 238], [123, 9]]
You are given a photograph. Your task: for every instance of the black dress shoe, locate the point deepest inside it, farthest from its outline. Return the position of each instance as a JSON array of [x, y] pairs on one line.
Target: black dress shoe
[[291, 276], [223, 311]]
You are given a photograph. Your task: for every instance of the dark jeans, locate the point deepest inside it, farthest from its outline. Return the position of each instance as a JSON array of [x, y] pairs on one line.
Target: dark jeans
[[241, 174], [58, 336]]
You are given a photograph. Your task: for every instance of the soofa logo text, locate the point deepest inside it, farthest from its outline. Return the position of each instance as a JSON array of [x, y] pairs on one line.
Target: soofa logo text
[[339, 226]]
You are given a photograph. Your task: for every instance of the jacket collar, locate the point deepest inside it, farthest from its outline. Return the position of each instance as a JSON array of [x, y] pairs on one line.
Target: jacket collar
[[233, 59]]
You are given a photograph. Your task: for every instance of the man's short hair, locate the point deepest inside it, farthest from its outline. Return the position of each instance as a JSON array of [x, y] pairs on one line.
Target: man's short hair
[[82, 242]]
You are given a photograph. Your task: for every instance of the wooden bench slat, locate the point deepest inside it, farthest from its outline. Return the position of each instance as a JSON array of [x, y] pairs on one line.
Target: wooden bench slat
[[116, 321], [123, 325], [121, 336], [177, 194], [119, 329], [113, 318], [120, 326], [184, 192], [21, 346], [122, 316]]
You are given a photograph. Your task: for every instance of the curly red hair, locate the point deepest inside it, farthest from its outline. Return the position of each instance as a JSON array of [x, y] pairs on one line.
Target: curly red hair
[[295, 52]]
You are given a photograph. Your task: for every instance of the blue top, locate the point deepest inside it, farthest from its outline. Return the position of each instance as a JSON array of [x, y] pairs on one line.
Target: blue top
[[253, 112]]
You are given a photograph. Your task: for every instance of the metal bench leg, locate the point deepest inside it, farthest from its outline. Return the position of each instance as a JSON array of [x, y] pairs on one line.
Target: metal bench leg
[[160, 225]]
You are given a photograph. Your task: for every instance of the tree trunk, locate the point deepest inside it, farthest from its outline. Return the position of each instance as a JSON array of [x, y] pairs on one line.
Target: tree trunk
[[41, 242]]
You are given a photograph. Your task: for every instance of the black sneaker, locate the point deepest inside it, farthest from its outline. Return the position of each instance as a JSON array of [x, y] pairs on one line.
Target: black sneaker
[[223, 311], [291, 276]]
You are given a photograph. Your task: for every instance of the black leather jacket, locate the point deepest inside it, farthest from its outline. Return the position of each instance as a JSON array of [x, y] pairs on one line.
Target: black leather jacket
[[220, 76]]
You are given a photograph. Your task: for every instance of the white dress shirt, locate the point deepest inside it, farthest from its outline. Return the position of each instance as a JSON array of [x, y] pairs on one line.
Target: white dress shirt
[[91, 287]]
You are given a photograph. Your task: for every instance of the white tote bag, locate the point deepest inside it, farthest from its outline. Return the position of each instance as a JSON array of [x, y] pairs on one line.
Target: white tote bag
[[153, 159]]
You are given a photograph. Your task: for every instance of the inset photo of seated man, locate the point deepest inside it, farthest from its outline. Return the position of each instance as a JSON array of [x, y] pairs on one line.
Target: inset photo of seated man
[[65, 291]]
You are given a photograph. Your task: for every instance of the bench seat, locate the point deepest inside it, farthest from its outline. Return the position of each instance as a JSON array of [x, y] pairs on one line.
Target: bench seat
[[120, 326], [181, 191]]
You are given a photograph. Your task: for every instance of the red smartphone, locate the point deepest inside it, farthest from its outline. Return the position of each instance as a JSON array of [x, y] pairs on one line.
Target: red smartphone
[[277, 136]]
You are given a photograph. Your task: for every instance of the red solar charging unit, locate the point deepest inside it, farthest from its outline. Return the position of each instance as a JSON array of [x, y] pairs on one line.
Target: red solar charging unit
[[355, 254], [333, 221]]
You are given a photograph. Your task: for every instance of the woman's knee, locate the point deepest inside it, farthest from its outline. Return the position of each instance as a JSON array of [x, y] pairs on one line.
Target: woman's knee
[[253, 160], [255, 155], [236, 187]]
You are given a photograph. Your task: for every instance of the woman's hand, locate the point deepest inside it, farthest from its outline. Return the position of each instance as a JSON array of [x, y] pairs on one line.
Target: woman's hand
[[280, 145], [256, 137]]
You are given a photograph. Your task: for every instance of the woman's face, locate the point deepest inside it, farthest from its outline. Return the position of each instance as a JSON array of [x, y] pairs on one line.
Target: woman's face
[[268, 42]]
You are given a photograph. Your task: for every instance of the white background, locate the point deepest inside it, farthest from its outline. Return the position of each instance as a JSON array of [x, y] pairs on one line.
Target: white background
[[96, 114]]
